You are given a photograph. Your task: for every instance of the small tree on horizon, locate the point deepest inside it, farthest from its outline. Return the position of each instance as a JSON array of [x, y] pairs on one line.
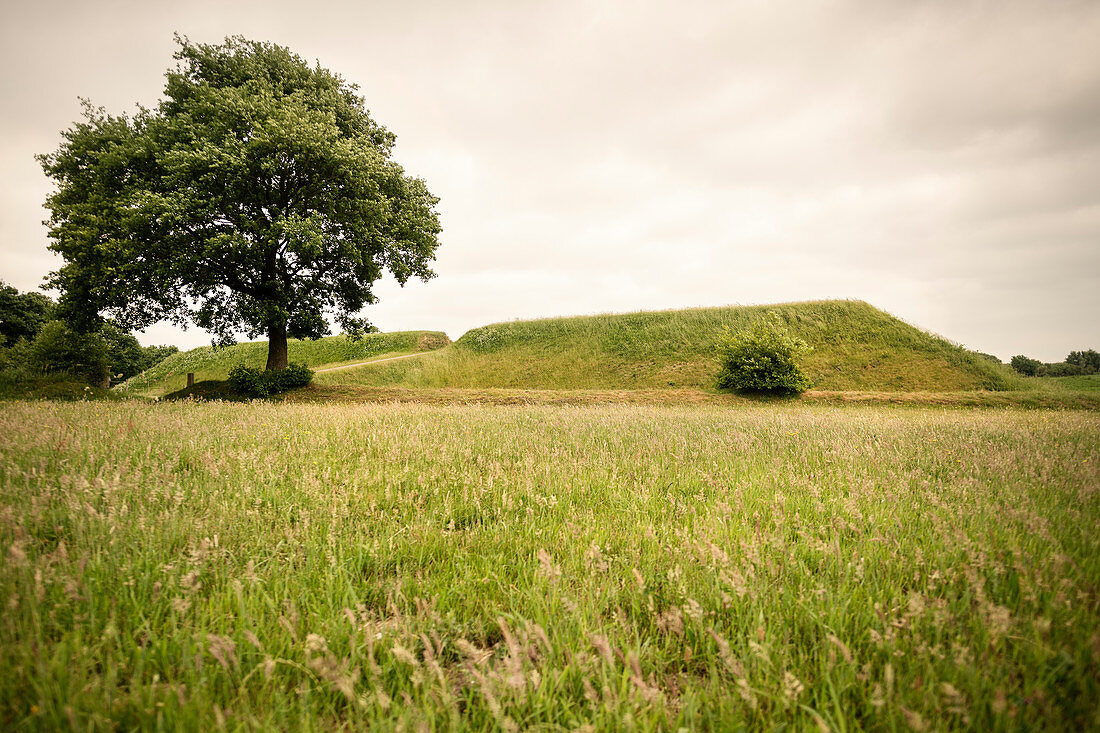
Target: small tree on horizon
[[1026, 365], [256, 197], [1088, 361]]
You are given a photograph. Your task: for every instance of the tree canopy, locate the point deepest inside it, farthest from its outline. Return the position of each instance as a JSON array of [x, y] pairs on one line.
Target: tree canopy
[[256, 197], [22, 315]]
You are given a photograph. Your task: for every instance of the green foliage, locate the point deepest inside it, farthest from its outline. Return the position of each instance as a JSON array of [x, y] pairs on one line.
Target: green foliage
[[251, 382], [256, 197], [1078, 363], [126, 356], [1061, 369], [1025, 365], [22, 315], [59, 348], [764, 358], [1088, 362], [247, 381], [154, 355]]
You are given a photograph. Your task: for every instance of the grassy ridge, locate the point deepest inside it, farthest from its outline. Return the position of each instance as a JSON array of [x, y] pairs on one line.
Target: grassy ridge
[[856, 347], [376, 567], [214, 363]]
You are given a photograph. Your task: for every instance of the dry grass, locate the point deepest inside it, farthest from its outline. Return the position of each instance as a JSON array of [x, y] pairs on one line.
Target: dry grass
[[384, 566]]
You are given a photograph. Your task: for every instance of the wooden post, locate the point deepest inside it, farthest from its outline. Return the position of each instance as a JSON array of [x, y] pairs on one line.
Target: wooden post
[[190, 379]]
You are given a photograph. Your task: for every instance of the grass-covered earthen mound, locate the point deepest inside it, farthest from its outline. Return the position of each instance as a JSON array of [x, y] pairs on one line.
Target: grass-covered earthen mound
[[213, 364], [855, 347]]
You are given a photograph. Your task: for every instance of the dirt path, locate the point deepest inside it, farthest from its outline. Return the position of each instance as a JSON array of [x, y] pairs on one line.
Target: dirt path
[[371, 361]]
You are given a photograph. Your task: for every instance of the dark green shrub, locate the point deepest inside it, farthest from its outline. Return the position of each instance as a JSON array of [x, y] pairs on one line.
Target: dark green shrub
[[763, 358], [1026, 366], [247, 380], [283, 380], [22, 315], [124, 353], [1087, 361], [60, 349], [1061, 369], [253, 382], [15, 359]]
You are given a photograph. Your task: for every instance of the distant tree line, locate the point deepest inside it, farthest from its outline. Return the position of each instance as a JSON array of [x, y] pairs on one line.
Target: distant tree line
[[33, 342], [1077, 363]]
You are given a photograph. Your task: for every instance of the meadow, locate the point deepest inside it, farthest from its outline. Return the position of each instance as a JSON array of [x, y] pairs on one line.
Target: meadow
[[609, 567]]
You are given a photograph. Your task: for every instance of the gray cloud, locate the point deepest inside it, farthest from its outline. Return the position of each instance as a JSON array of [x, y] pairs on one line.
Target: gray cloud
[[939, 160]]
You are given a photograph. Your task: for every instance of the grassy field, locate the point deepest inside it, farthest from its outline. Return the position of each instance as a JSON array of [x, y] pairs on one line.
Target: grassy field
[[1084, 383], [209, 363], [319, 567], [856, 347]]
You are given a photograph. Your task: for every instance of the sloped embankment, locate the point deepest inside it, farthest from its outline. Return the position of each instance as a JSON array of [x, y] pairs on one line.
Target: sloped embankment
[[856, 348]]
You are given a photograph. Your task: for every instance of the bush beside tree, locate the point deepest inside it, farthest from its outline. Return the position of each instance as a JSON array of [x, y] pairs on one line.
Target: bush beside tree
[[252, 382], [763, 358]]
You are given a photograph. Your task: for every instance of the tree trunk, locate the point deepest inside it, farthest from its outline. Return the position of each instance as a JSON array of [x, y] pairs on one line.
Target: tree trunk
[[276, 347]]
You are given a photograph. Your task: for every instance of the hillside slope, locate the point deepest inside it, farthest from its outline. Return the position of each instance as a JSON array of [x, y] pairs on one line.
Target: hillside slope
[[214, 363], [856, 347]]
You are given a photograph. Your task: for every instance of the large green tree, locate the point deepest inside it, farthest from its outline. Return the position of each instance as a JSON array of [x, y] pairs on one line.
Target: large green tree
[[256, 197]]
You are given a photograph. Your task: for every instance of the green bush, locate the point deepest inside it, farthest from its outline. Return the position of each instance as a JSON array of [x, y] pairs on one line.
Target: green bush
[[763, 358], [1061, 369], [60, 349], [15, 359], [1087, 361], [253, 382], [1025, 365]]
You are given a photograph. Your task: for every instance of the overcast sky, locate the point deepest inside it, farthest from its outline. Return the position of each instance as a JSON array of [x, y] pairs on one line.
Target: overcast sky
[[939, 160]]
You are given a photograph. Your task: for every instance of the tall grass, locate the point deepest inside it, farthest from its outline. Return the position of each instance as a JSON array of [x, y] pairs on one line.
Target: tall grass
[[208, 362], [370, 567], [856, 347]]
